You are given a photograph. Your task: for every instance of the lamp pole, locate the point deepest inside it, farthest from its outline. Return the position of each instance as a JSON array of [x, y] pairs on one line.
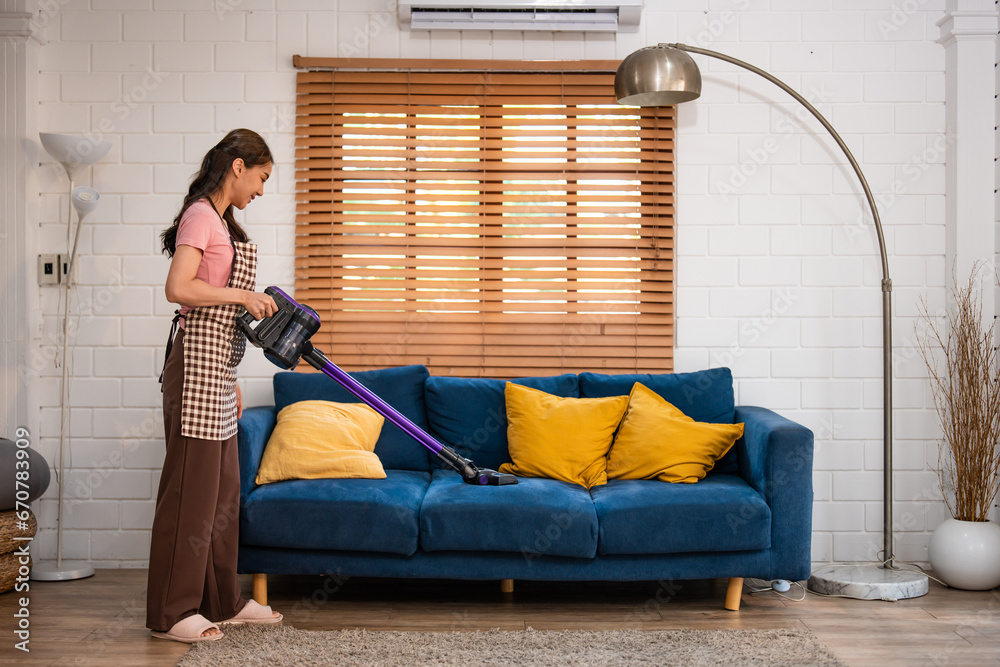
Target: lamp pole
[[887, 372], [664, 75]]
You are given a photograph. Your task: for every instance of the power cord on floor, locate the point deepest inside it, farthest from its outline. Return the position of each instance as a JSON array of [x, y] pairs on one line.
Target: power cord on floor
[[849, 597], [768, 587], [922, 571]]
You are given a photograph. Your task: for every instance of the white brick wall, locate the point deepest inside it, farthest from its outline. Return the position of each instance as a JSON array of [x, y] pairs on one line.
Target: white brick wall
[[777, 273]]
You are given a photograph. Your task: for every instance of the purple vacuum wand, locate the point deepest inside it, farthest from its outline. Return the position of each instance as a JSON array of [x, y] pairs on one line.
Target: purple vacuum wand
[[466, 468], [284, 337]]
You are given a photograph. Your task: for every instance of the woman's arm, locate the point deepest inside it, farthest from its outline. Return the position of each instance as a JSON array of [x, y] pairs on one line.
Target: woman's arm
[[184, 288]]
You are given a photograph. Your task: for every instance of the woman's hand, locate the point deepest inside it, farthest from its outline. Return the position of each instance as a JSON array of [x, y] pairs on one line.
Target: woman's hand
[[239, 401], [259, 305]]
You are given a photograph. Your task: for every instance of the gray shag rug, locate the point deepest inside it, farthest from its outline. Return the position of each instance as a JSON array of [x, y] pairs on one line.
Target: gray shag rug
[[274, 646]]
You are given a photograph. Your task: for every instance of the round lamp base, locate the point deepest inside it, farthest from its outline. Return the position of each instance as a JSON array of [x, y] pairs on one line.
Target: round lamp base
[[68, 571], [869, 582]]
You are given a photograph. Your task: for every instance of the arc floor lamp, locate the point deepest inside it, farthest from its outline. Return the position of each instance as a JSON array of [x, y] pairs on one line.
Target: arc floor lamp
[[664, 75]]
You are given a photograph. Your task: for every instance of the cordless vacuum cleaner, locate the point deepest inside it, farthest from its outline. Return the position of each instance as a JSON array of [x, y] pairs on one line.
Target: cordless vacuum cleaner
[[284, 337]]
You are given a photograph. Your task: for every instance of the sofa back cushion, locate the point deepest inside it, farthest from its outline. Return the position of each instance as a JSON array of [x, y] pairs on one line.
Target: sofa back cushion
[[401, 387], [705, 396], [470, 414]]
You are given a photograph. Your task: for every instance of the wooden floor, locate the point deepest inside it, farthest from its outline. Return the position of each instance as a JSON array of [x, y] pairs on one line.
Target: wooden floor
[[100, 620]]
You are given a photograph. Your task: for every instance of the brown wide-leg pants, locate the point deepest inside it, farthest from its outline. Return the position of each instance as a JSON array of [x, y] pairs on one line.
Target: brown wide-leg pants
[[195, 537]]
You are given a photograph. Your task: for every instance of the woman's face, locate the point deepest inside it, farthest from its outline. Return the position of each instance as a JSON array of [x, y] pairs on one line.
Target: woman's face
[[248, 183]]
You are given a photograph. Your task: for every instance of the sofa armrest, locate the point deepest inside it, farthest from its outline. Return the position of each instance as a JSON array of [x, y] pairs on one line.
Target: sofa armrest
[[256, 425], [775, 457]]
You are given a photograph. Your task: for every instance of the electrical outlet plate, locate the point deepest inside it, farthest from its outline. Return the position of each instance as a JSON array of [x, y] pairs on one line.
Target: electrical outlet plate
[[50, 269]]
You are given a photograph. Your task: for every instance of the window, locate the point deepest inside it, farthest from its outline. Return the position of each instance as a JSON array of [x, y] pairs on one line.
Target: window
[[484, 223]]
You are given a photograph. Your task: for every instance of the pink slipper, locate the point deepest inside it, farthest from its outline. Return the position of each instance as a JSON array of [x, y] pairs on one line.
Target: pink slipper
[[253, 613], [188, 630]]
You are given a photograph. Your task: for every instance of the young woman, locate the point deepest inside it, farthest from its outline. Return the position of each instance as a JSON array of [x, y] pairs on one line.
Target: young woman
[[192, 586]]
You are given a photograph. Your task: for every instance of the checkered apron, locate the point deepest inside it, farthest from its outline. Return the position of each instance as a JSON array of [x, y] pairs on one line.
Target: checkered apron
[[213, 347]]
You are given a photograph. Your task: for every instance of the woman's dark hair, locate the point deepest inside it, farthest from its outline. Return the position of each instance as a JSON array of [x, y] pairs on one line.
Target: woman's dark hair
[[242, 143]]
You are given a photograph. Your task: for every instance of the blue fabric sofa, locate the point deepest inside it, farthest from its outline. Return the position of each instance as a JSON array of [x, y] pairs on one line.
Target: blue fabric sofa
[[750, 517]]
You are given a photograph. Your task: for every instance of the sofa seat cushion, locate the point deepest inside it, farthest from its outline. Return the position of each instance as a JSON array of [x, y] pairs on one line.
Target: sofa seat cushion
[[534, 517], [402, 388], [719, 513], [380, 515]]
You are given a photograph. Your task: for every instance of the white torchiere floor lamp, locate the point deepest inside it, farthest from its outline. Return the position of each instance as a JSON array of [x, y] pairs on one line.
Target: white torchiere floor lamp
[[73, 153], [664, 75]]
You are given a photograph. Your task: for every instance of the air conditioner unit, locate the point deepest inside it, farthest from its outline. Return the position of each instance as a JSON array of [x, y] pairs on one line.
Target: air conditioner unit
[[551, 15]]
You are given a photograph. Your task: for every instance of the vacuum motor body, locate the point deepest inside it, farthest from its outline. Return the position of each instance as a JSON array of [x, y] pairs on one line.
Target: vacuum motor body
[[283, 335]]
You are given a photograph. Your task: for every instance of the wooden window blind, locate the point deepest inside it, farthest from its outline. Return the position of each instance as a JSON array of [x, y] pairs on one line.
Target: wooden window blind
[[484, 223]]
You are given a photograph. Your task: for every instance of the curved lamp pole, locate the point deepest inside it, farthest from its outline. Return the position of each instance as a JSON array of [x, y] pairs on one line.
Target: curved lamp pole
[[664, 75]]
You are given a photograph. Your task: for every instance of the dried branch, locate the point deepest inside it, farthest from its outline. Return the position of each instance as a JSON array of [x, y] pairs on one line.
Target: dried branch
[[963, 366]]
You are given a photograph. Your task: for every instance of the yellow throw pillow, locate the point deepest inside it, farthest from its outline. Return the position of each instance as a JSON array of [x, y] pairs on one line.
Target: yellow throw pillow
[[317, 439], [658, 441], [560, 438]]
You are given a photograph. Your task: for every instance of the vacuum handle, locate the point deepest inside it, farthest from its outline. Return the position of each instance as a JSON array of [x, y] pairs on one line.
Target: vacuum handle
[[266, 333]]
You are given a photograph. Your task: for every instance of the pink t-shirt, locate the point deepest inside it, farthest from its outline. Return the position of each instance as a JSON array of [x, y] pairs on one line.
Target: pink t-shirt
[[202, 228]]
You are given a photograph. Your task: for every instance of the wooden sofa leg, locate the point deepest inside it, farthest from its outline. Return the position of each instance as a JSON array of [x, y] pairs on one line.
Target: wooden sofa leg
[[260, 589], [734, 593], [506, 585]]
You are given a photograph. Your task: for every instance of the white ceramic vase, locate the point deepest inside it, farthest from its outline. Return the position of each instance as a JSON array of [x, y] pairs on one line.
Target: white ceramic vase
[[966, 554]]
